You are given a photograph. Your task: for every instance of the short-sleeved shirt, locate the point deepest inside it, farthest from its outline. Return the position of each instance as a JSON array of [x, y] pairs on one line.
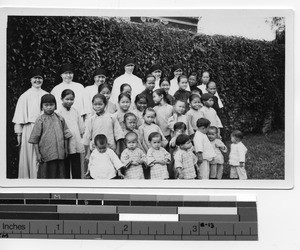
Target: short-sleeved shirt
[[186, 160], [203, 145], [158, 171], [237, 154], [103, 124], [137, 155], [49, 132], [163, 113], [104, 165]]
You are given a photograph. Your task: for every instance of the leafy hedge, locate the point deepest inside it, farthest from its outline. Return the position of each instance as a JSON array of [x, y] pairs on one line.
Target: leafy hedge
[[249, 73]]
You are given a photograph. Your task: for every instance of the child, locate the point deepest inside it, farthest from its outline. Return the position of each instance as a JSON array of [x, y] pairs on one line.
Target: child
[[184, 158], [205, 80], [178, 116], [237, 156], [104, 163], [105, 89], [75, 124], [216, 165], [208, 112], [193, 83], [195, 111], [149, 85], [133, 157], [26, 112], [157, 158], [140, 105], [203, 148], [211, 88], [163, 112], [148, 127], [182, 93], [164, 83], [175, 73], [125, 88], [49, 136], [156, 70], [101, 123]]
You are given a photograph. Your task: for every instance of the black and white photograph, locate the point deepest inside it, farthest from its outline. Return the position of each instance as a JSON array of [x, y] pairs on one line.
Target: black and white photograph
[[149, 98]]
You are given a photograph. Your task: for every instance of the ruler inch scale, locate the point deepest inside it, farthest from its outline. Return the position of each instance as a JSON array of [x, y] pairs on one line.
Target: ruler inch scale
[[128, 217]]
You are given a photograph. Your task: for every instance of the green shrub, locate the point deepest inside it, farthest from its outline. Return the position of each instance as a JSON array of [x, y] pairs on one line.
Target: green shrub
[[249, 73]]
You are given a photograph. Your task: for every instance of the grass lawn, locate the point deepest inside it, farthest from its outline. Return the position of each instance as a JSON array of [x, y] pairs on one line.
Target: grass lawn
[[265, 156]]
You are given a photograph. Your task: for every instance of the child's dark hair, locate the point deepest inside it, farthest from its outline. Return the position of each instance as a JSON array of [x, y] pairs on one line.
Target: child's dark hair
[[209, 83], [122, 87], [193, 74], [214, 128], [100, 139], [162, 92], [100, 96], [103, 86], [148, 76], [203, 122], [182, 139], [180, 125], [164, 79], [67, 92], [194, 96], [179, 100], [150, 110], [197, 90], [129, 115], [153, 135], [237, 134], [48, 98], [139, 97], [123, 95], [181, 77], [131, 133]]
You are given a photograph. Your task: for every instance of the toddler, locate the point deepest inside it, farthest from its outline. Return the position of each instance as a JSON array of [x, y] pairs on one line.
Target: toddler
[[50, 136], [157, 158], [237, 156], [203, 148], [184, 158], [195, 111], [133, 157], [216, 165], [104, 163]]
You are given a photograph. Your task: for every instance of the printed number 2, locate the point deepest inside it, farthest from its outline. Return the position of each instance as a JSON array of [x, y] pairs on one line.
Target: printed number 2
[[125, 229], [195, 228]]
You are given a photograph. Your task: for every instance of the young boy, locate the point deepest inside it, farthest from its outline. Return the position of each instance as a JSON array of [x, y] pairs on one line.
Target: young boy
[[104, 163], [148, 92], [185, 160], [203, 148], [237, 156]]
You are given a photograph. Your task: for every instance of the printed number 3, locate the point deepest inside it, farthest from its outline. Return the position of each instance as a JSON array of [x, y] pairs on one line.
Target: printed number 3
[[195, 228]]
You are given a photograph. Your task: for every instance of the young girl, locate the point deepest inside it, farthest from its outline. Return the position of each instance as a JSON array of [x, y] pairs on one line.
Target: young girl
[[164, 83], [237, 156], [101, 123], [182, 93], [175, 73], [105, 89], [203, 148], [75, 124], [208, 112], [157, 157], [163, 112], [125, 88], [26, 113], [156, 70], [49, 136], [193, 82], [124, 102], [140, 105], [104, 163], [133, 157], [216, 165], [195, 111], [149, 85], [184, 158], [178, 116], [148, 127]]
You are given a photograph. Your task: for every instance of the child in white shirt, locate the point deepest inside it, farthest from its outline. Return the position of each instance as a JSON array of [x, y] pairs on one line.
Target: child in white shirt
[[104, 163], [203, 148], [237, 156]]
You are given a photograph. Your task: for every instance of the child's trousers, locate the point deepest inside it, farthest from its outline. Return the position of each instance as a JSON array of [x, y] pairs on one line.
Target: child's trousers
[[238, 172], [52, 170], [216, 171], [203, 171]]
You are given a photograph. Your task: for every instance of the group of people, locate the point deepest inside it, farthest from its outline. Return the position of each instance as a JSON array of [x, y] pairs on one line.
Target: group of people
[[159, 128]]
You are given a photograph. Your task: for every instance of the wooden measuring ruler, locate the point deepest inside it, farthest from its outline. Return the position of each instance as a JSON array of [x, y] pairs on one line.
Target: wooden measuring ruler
[[128, 217]]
